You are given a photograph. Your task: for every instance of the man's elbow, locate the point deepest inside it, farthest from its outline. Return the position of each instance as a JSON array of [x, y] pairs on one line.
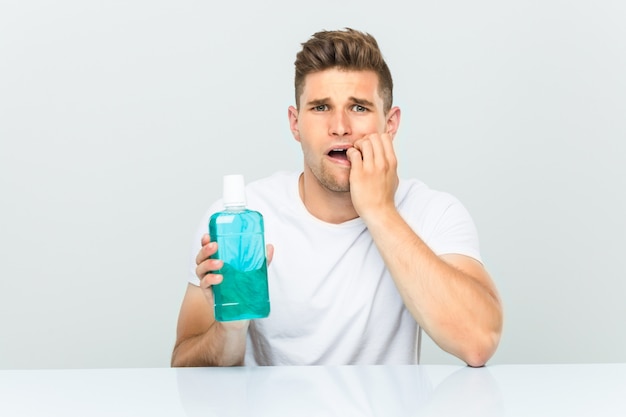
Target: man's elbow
[[476, 360], [478, 353]]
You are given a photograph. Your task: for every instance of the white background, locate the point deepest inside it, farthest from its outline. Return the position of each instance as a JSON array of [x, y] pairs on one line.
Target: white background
[[119, 118]]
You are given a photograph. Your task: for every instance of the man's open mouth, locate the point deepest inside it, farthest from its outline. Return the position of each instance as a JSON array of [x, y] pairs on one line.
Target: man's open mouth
[[338, 153]]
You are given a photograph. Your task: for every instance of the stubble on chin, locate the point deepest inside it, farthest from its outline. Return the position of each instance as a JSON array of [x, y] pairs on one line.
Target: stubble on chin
[[332, 181]]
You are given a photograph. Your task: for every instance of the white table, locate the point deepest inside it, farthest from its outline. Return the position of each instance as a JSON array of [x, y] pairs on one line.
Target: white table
[[425, 390]]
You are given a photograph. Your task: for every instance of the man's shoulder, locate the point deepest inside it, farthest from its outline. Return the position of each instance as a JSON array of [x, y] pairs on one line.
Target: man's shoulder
[[278, 188], [415, 197], [278, 178], [414, 189]]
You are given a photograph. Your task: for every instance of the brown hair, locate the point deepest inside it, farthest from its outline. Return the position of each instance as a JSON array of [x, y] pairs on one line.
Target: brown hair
[[346, 49]]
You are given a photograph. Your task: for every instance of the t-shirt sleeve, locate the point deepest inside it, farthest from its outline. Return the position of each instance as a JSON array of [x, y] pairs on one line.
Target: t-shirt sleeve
[[450, 228]]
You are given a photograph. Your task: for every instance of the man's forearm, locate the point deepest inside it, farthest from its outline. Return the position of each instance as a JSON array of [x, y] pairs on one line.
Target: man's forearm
[[219, 346], [456, 305]]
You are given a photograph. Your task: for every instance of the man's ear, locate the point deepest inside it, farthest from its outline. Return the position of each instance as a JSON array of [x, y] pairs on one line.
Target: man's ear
[[293, 123], [393, 121]]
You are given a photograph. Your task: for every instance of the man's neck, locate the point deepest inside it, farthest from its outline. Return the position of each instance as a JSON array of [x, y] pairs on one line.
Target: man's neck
[[328, 206]]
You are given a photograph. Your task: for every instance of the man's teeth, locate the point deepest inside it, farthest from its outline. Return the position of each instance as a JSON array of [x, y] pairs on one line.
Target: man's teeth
[[338, 153]]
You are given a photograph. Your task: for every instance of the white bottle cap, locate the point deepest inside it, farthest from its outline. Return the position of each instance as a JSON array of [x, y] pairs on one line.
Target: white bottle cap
[[234, 191]]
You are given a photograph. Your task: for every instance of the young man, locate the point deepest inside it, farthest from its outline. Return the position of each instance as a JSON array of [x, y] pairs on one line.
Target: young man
[[360, 259]]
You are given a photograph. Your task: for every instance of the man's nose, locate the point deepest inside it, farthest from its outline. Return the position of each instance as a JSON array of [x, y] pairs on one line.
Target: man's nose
[[339, 124]]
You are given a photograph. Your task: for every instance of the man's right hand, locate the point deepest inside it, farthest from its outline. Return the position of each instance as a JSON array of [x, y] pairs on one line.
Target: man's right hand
[[205, 266], [200, 339]]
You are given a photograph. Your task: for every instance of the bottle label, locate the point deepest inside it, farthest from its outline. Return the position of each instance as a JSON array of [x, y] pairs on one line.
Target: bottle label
[[225, 219]]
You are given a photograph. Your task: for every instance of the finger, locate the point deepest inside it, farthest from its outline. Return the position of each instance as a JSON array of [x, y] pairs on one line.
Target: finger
[[269, 249], [355, 157], [378, 150], [210, 279], [208, 266], [390, 153], [365, 147], [205, 252]]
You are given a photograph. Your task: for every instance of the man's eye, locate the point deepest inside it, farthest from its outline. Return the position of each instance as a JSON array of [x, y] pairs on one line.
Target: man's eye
[[321, 107], [359, 108]]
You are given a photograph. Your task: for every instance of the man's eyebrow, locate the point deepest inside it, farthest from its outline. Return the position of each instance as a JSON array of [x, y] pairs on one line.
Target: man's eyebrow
[[355, 100], [362, 102], [317, 102]]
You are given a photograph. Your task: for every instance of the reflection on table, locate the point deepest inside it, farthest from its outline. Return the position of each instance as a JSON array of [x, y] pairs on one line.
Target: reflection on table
[[338, 391], [424, 390]]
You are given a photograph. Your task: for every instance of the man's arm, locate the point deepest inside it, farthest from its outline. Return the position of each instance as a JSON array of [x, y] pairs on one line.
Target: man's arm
[[203, 341], [200, 339], [452, 297]]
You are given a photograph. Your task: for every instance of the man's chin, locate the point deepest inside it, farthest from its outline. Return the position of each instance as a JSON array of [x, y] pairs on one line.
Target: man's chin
[[336, 181], [340, 190], [337, 187]]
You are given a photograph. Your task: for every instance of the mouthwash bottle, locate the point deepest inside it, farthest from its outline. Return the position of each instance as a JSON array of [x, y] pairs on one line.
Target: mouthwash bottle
[[239, 233]]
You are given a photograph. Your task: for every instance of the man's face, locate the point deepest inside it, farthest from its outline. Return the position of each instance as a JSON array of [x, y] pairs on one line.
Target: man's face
[[337, 107]]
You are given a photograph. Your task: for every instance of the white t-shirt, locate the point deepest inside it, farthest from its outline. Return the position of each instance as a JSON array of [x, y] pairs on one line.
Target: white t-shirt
[[333, 301]]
